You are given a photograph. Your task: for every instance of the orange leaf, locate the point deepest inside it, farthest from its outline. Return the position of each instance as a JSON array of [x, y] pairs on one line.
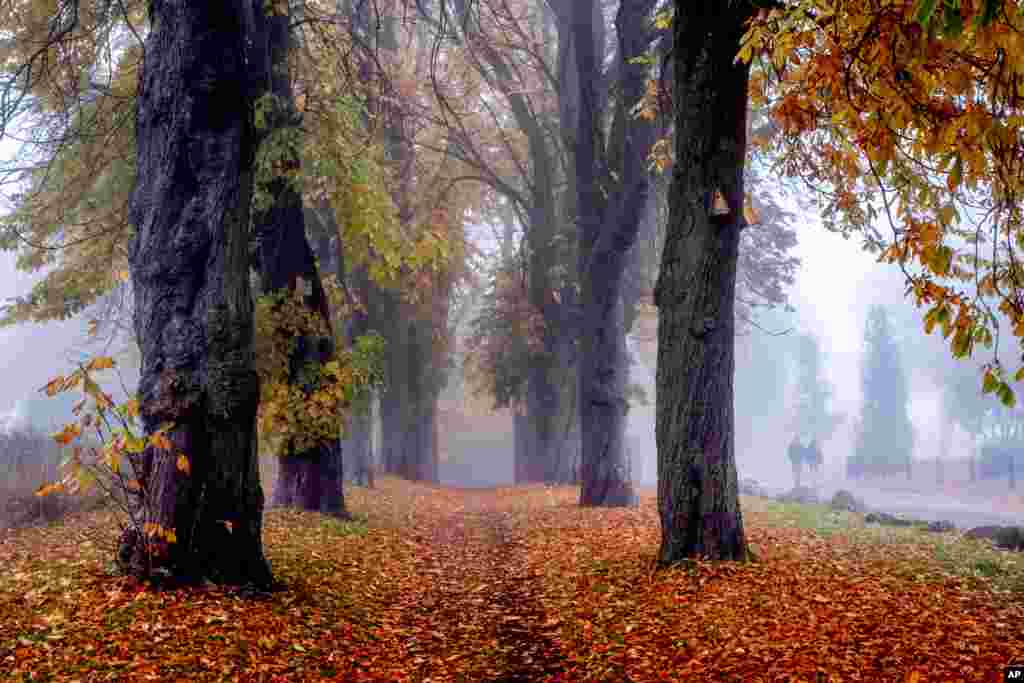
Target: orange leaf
[[160, 440], [100, 363]]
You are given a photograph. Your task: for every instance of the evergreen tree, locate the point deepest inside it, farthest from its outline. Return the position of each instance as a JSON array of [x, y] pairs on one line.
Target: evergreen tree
[[885, 435]]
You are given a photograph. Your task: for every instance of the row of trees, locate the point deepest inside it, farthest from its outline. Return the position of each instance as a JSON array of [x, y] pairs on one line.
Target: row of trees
[[216, 149], [884, 435]]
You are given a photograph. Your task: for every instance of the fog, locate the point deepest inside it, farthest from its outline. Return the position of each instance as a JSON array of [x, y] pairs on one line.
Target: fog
[[835, 287]]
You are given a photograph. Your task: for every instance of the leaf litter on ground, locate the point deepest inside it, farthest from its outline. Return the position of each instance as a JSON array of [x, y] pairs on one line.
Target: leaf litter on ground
[[520, 584]]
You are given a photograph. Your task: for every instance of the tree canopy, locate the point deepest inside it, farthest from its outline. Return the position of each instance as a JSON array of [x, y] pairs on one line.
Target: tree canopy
[[905, 119]]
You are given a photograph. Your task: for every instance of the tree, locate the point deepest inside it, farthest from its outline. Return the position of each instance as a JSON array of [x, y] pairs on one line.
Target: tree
[[697, 485], [310, 477], [903, 119], [193, 305], [608, 228], [885, 435], [72, 219], [533, 171], [813, 420], [1004, 437]]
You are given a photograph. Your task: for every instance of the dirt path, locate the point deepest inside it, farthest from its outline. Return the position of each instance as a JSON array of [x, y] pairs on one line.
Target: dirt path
[[476, 618]]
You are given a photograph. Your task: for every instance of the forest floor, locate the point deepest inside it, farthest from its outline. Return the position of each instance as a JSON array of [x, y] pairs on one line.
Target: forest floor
[[520, 584]]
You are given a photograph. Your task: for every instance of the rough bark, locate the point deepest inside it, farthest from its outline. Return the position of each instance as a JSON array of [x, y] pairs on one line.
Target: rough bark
[[193, 305], [284, 257], [697, 486], [608, 229]]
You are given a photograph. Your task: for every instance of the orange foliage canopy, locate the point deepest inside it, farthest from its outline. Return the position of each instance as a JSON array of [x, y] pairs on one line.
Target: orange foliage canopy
[[906, 118]]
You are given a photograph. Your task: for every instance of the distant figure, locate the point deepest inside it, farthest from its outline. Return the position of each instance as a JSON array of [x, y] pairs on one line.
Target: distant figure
[[812, 456], [796, 459]]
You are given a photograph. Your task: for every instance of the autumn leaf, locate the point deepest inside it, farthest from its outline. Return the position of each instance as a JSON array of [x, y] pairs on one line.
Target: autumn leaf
[[48, 489], [54, 386], [751, 214], [100, 363], [69, 433], [158, 439]]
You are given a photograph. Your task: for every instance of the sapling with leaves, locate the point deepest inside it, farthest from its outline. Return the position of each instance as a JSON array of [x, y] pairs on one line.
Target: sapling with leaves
[[106, 446]]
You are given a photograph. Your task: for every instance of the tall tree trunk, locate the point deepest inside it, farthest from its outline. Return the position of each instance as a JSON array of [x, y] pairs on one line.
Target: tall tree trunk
[[697, 488], [543, 404], [608, 228], [408, 405], [193, 304], [357, 441], [310, 479]]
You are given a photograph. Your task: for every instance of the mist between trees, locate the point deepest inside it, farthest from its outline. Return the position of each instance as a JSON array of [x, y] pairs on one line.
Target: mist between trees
[[491, 242]]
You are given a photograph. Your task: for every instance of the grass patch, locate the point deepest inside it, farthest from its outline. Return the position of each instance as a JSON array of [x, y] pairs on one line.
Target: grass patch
[[816, 517]]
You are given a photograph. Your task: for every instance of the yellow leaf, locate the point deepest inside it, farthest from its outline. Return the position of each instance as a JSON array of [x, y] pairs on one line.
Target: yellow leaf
[[113, 457], [68, 434], [955, 175], [54, 386], [100, 363], [134, 444], [948, 214], [751, 214], [183, 464]]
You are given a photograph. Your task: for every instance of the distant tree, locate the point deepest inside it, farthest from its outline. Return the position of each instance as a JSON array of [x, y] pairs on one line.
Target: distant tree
[[1003, 435], [813, 421], [963, 404], [885, 436]]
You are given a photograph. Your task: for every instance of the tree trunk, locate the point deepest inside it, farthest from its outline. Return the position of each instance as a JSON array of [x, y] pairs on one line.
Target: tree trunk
[[357, 426], [541, 414], [193, 304], [408, 404], [608, 229], [284, 257], [697, 488], [357, 445]]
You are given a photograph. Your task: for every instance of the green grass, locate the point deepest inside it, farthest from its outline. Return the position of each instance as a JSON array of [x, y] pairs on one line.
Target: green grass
[[820, 518], [921, 554]]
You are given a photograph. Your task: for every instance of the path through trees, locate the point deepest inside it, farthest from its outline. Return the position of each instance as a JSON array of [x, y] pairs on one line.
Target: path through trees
[[477, 611]]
